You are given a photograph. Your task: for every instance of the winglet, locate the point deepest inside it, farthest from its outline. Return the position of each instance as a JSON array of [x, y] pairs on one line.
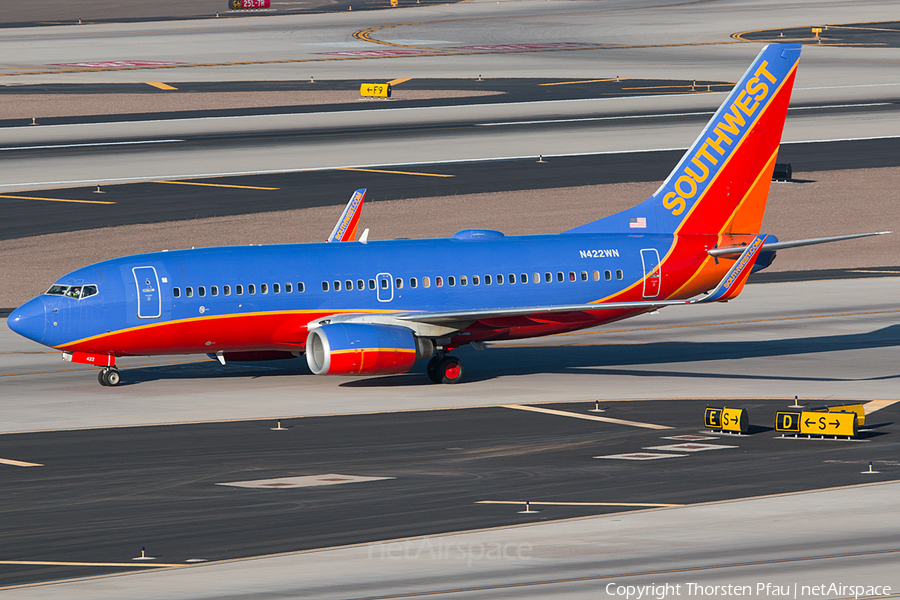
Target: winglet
[[733, 282], [345, 230]]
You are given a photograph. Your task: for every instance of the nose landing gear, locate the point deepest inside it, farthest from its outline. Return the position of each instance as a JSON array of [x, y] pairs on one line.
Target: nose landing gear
[[445, 369], [109, 377]]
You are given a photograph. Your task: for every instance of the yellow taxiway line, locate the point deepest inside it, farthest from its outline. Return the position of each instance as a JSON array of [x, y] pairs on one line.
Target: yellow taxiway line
[[397, 172], [160, 85], [562, 413], [632, 504], [56, 200], [221, 185], [398, 81], [18, 463], [55, 563]]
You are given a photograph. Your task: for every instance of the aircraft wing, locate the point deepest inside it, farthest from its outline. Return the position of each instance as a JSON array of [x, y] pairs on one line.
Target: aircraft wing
[[730, 286], [735, 250], [345, 229]]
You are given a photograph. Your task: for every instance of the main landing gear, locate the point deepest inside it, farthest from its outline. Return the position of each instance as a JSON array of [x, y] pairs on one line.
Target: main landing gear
[[445, 369], [109, 377]]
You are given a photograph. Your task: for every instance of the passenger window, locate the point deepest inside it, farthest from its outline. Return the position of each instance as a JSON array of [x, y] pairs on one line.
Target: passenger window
[[239, 290], [475, 280], [251, 288], [214, 290], [607, 275], [176, 293], [584, 276], [276, 288], [201, 291], [324, 286], [412, 282], [511, 278], [301, 287], [536, 277], [596, 275], [288, 288], [487, 280], [189, 292], [499, 279], [360, 284], [560, 277], [371, 284], [348, 285], [337, 286], [548, 277], [426, 282], [463, 280], [620, 274], [451, 281], [438, 281], [571, 275], [384, 284], [399, 283], [264, 288], [227, 290]]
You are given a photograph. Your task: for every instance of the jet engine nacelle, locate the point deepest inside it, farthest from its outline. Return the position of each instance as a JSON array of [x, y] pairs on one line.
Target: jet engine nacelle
[[364, 349]]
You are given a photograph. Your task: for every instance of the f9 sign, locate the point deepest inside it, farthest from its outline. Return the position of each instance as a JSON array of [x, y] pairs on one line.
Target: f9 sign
[[247, 4]]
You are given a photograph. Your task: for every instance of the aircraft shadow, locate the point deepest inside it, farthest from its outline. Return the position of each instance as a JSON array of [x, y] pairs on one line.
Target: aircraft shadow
[[603, 359], [599, 359]]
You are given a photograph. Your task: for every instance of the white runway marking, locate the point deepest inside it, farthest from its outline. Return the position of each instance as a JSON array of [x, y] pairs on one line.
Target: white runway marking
[[641, 456], [690, 447], [306, 481], [562, 413]]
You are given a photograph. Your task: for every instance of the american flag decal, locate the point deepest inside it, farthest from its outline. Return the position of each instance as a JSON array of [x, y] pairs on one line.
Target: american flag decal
[[638, 222]]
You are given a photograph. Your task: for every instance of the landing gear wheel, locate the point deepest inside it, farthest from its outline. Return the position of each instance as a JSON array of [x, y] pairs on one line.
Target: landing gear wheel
[[450, 370], [109, 377]]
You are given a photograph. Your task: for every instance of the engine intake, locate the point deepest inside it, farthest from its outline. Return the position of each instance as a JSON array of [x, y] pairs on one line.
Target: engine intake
[[364, 349]]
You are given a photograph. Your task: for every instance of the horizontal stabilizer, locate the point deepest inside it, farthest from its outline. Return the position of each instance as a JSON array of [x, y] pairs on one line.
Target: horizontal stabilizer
[[736, 250], [345, 230]]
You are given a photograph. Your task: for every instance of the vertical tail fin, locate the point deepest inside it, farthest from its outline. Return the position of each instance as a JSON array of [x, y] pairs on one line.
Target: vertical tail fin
[[345, 230], [721, 184]]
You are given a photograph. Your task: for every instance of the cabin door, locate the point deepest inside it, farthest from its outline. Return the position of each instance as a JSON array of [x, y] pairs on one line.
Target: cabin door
[[149, 300], [650, 259], [385, 287]]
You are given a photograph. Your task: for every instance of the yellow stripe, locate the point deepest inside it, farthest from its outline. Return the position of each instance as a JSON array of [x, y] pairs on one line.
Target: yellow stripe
[[85, 564], [56, 200], [161, 85], [519, 502], [398, 172], [210, 317], [18, 463], [875, 405], [398, 81], [560, 413], [240, 187], [585, 81]]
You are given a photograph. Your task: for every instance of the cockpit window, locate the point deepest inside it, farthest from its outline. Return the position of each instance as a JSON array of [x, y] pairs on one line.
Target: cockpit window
[[73, 291]]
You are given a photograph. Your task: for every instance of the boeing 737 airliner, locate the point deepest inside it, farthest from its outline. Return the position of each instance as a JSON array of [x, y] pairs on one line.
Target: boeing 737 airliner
[[375, 307]]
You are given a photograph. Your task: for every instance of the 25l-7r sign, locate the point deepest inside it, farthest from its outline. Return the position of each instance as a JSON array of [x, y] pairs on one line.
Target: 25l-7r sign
[[247, 4]]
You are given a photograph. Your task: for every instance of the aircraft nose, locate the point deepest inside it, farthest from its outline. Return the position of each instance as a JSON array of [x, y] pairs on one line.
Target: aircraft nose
[[29, 320]]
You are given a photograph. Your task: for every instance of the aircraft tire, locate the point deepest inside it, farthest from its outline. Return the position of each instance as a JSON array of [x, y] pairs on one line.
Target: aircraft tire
[[112, 377], [450, 370], [101, 377]]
